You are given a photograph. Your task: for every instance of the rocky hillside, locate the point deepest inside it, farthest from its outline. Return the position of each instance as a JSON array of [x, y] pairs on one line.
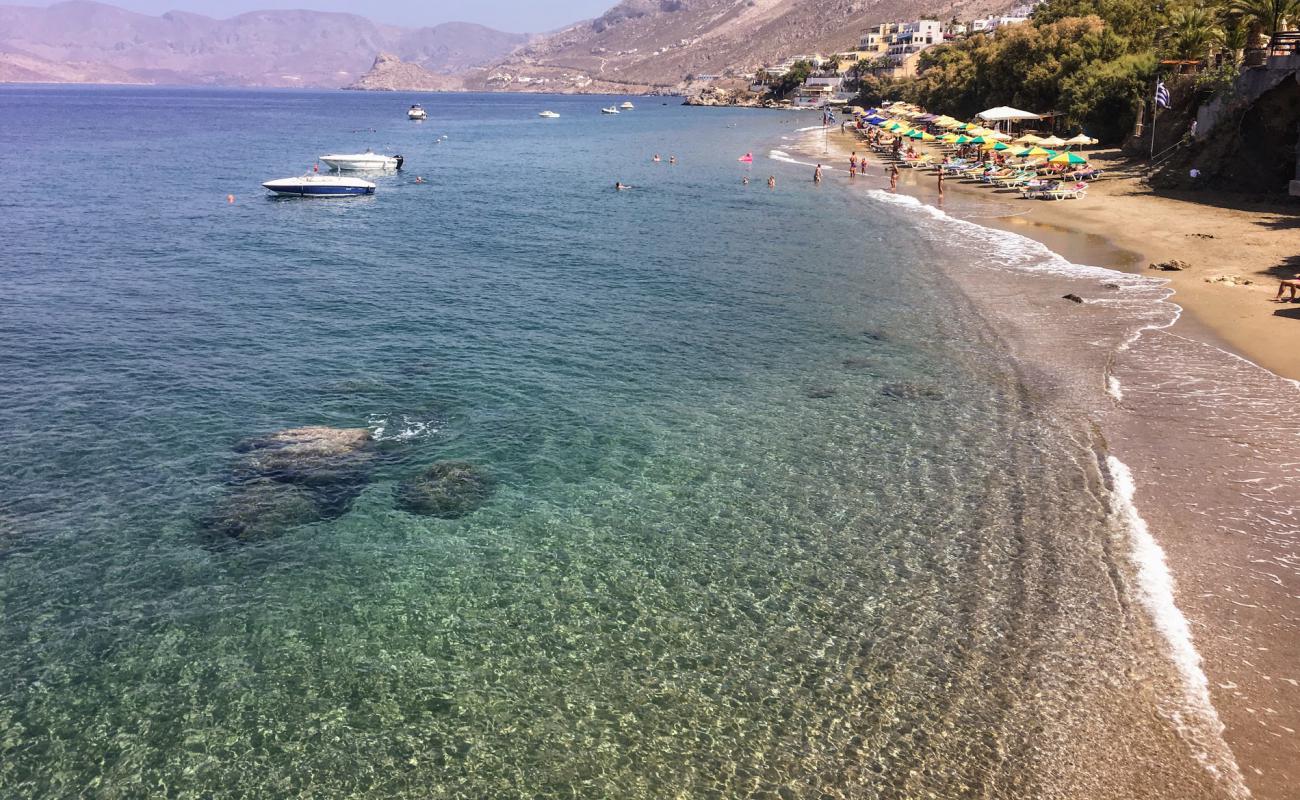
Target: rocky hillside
[[87, 41], [391, 74], [657, 44]]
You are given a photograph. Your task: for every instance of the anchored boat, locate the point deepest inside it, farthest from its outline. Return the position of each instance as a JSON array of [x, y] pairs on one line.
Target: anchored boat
[[416, 112], [363, 162], [315, 185]]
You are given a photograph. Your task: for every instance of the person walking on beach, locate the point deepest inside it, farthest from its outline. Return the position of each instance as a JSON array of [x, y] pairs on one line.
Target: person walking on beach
[[893, 178], [1293, 284], [853, 160], [817, 174]]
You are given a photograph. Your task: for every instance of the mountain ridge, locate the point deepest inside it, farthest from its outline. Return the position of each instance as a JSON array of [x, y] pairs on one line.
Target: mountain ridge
[[100, 43]]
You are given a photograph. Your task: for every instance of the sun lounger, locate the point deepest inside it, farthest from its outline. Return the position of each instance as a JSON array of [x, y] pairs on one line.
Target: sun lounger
[[1074, 192]]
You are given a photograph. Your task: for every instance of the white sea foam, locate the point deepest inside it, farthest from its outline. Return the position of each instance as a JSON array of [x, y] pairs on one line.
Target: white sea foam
[[406, 430], [1197, 717], [1114, 389]]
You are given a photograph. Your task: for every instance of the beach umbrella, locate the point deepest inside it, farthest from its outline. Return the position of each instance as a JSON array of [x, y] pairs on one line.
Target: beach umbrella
[[1068, 158], [1028, 138], [950, 138], [1000, 136], [1052, 141], [976, 140], [962, 140], [926, 137], [1082, 140], [1021, 153], [991, 145], [1034, 152]]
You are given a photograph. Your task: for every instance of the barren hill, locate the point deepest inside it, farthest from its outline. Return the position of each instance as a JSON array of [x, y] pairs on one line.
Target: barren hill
[[88, 41], [656, 44], [390, 74]]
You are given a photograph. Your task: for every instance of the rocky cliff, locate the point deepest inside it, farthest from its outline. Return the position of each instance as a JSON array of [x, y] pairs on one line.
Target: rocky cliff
[[389, 74], [644, 45]]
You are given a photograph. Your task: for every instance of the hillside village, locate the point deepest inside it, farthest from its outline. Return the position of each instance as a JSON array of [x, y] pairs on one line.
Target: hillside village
[[890, 50]]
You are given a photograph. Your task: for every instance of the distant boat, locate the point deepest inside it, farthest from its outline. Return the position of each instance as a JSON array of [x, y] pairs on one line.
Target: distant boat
[[549, 115], [363, 162], [313, 185], [416, 112], [627, 105], [610, 110]]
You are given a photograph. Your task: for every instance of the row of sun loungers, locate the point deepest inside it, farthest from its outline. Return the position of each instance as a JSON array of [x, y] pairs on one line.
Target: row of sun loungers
[[1034, 179]]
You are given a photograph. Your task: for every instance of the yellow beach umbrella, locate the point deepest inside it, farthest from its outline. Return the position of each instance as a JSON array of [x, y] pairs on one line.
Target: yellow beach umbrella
[[1068, 158], [1034, 152], [993, 145], [926, 137], [949, 137]]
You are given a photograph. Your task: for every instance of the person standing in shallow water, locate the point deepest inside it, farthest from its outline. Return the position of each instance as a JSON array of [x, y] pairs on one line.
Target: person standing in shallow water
[[940, 183], [817, 174], [893, 178]]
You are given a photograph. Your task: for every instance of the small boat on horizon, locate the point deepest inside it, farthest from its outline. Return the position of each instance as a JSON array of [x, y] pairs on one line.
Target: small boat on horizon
[[368, 161], [549, 115], [609, 110], [416, 112], [627, 105], [316, 185]]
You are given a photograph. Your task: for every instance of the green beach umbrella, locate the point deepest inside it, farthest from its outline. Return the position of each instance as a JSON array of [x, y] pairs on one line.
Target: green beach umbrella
[[1068, 158], [963, 140], [994, 145], [977, 140]]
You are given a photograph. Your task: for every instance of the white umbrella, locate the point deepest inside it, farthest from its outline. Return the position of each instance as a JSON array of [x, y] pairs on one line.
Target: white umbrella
[[1081, 139], [1006, 114], [1052, 141]]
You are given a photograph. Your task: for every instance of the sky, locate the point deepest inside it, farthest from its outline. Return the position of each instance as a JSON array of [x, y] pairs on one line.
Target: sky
[[517, 16]]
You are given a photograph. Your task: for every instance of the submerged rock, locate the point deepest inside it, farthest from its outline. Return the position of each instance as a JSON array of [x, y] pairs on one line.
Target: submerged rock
[[447, 489], [1073, 298], [261, 510], [292, 477], [858, 363], [911, 390], [312, 455], [819, 392]]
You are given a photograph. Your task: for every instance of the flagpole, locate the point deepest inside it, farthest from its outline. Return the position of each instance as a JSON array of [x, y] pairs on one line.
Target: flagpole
[[1155, 109]]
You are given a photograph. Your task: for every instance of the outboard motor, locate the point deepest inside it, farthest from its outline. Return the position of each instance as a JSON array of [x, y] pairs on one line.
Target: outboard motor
[[400, 161]]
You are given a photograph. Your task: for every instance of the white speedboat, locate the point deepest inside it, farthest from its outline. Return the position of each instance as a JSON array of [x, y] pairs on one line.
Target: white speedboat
[[610, 110], [549, 115], [416, 112], [315, 185], [363, 162], [627, 105]]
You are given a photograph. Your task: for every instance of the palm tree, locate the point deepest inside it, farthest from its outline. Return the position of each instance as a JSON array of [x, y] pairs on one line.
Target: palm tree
[[1236, 35], [1266, 17], [1191, 32]]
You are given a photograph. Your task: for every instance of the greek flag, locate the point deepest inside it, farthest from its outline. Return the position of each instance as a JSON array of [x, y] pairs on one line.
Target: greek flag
[[1162, 95]]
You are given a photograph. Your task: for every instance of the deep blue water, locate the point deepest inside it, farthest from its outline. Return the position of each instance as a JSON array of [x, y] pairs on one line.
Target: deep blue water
[[772, 510]]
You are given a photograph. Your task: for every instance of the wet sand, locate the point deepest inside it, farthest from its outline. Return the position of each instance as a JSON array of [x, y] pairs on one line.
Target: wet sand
[[1218, 498]]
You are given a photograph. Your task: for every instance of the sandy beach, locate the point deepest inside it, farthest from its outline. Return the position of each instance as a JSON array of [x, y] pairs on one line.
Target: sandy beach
[[1218, 239], [1217, 503]]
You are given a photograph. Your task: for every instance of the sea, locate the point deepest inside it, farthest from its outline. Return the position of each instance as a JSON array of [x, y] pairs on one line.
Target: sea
[[792, 492]]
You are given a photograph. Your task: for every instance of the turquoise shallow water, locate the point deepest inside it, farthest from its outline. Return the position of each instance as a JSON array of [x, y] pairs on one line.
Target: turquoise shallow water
[[774, 512]]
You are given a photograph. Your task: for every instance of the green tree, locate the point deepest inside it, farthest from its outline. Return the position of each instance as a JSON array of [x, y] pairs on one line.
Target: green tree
[[1190, 33], [1266, 17]]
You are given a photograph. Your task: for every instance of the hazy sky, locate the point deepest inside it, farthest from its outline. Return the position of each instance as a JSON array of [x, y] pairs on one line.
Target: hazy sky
[[519, 16]]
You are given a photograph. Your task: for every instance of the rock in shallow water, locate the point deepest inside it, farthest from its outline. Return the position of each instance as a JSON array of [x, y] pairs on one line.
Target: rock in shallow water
[[447, 489], [261, 510], [292, 477]]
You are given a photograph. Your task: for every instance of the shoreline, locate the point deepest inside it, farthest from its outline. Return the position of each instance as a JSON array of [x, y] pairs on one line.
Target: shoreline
[[1255, 245], [1225, 536]]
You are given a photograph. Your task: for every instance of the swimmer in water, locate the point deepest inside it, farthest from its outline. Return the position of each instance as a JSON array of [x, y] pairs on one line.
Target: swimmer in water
[[619, 186], [419, 179], [672, 159], [656, 158], [771, 181]]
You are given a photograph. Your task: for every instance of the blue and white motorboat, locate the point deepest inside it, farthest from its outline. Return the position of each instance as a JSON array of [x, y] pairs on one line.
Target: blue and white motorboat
[[315, 185], [416, 112]]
